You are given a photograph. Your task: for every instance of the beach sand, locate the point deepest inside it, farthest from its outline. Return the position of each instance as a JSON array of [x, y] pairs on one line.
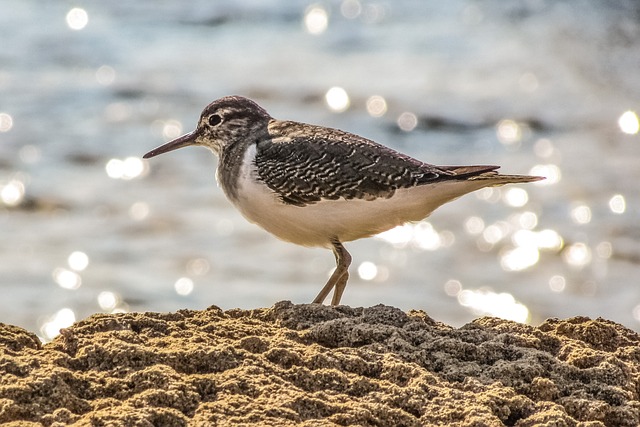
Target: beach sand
[[316, 365]]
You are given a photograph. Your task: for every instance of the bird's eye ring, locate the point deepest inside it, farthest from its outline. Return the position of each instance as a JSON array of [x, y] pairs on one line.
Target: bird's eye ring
[[214, 120]]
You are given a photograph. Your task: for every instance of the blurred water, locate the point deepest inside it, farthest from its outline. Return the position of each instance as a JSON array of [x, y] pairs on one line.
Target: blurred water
[[535, 86]]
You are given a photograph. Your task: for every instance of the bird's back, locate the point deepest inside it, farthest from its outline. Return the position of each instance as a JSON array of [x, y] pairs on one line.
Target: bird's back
[[309, 184]]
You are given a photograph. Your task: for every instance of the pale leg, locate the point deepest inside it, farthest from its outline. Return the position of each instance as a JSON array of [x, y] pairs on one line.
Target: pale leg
[[338, 279]]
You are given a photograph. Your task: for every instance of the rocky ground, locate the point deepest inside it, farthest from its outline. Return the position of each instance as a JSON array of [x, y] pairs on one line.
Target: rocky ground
[[316, 365]]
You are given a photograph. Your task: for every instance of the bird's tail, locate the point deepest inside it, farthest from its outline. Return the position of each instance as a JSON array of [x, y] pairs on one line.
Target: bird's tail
[[497, 179], [487, 174]]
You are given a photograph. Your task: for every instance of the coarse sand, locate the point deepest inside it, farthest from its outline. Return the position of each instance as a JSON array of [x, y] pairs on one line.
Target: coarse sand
[[316, 365]]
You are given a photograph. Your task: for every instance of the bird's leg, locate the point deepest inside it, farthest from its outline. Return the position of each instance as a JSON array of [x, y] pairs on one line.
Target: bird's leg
[[338, 279], [343, 260]]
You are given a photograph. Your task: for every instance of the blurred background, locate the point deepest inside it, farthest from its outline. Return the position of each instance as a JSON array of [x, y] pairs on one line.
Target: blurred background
[[541, 87]]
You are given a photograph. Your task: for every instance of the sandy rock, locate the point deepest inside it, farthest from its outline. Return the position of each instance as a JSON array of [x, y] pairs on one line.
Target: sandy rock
[[316, 365]]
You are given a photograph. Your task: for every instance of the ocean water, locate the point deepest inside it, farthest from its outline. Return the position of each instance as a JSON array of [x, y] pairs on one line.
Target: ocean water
[[541, 87]]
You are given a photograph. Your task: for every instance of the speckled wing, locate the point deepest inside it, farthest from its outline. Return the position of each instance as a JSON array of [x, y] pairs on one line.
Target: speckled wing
[[305, 164]]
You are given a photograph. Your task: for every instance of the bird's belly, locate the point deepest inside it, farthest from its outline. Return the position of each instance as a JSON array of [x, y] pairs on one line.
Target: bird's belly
[[319, 223]]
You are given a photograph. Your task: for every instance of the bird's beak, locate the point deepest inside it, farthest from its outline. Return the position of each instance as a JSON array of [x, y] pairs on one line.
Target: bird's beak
[[181, 141]]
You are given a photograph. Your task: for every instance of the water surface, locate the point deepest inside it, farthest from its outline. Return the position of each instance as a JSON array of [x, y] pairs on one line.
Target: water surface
[[539, 87]]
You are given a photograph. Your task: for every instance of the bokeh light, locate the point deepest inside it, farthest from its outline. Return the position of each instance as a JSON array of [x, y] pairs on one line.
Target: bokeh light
[[544, 239], [509, 132], [496, 232], [489, 194], [337, 99], [139, 211], [198, 266], [367, 270], [12, 193], [129, 168], [108, 300], [557, 283], [105, 75], [183, 286], [376, 106], [374, 12], [485, 302], [171, 129], [351, 9], [519, 258], [421, 235], [426, 237], [78, 261], [617, 204], [544, 148], [398, 236], [63, 318], [527, 220], [581, 214], [474, 225], [6, 122], [516, 197], [452, 287], [407, 121], [604, 250], [629, 123], [77, 18], [577, 255], [550, 172], [316, 19], [67, 279]]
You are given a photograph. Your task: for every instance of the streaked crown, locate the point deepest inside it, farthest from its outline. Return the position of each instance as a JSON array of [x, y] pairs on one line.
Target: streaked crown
[[229, 120]]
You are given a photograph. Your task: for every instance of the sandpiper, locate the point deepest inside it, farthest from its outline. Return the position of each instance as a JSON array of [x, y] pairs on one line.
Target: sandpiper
[[318, 186]]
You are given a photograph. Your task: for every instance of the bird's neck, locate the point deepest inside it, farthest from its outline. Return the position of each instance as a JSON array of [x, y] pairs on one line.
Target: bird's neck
[[238, 159]]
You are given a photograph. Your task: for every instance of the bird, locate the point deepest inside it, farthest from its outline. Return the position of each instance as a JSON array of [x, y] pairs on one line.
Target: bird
[[317, 186]]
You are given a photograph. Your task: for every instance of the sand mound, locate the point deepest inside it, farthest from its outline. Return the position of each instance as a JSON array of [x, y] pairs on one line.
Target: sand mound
[[318, 365]]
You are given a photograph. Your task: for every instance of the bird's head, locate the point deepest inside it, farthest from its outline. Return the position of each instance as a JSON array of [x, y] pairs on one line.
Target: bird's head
[[226, 121]]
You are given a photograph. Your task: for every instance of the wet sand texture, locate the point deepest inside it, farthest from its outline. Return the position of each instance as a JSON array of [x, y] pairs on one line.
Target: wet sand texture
[[316, 365]]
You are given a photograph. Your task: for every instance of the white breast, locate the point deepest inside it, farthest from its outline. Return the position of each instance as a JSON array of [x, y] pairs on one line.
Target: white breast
[[319, 223]]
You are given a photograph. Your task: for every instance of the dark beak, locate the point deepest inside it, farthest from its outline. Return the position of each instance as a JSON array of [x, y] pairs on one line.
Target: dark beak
[[182, 141]]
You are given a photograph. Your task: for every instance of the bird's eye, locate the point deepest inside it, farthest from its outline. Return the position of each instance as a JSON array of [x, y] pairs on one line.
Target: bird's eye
[[214, 120]]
